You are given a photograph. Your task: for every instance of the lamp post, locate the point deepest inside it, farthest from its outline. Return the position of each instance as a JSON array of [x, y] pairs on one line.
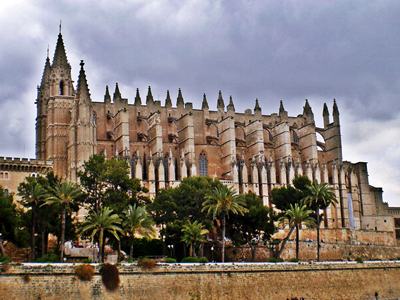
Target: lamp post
[[212, 253], [171, 250], [2, 252]]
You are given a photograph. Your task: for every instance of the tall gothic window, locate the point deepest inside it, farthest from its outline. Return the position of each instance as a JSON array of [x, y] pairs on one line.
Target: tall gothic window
[[203, 164], [61, 88]]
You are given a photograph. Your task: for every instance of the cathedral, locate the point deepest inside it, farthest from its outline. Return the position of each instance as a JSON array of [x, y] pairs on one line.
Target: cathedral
[[166, 141]]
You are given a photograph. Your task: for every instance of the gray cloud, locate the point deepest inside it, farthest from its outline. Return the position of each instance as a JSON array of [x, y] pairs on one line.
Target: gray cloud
[[266, 49]]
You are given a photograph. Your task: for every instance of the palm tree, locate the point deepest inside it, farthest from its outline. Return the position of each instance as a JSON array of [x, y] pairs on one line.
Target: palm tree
[[296, 216], [193, 234], [137, 222], [32, 194], [320, 196], [63, 194], [219, 203], [98, 223]]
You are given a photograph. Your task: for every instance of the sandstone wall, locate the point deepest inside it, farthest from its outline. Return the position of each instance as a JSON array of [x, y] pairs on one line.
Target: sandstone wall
[[209, 281]]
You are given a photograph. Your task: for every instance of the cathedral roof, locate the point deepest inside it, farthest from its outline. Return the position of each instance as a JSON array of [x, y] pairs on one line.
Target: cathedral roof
[[60, 56]]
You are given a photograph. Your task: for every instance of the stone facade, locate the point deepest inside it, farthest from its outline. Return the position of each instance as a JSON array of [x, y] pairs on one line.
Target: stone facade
[[164, 143], [378, 280]]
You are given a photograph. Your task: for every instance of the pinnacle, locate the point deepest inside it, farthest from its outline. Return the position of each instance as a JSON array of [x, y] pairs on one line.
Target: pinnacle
[[138, 100], [325, 110], [107, 97], [60, 56], [149, 97], [307, 109], [179, 99], [117, 93], [281, 108], [231, 106], [168, 101], [204, 104], [257, 106], [46, 71], [220, 101], [335, 108], [82, 86]]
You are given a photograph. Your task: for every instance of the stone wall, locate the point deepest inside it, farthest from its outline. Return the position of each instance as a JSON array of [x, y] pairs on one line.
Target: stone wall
[[209, 281]]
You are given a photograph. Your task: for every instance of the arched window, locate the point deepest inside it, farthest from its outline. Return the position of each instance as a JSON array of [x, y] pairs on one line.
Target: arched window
[[203, 164], [61, 88]]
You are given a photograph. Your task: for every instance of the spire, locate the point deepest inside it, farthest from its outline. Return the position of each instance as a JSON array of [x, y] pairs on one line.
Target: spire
[[335, 108], [82, 88], [325, 112], [307, 109], [335, 113], [231, 106], [204, 104], [220, 101], [168, 101], [281, 108], [138, 100], [179, 99], [149, 97], [60, 57], [107, 97], [117, 93], [46, 70], [257, 107]]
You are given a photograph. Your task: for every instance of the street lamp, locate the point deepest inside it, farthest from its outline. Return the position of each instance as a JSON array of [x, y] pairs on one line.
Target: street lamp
[[212, 253]]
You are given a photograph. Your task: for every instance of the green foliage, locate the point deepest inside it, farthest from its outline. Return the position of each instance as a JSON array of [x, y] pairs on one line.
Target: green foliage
[[110, 276], [257, 224], [283, 197], [274, 259], [4, 259], [192, 259], [293, 260], [359, 260], [193, 235], [99, 223], [49, 257], [107, 183], [9, 216], [320, 195], [143, 247], [84, 272], [170, 260]]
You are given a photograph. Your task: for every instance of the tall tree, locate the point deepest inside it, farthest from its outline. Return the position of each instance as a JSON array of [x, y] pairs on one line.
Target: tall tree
[[32, 194], [297, 215], [320, 196], [137, 222], [220, 202], [253, 227], [193, 235], [63, 194], [102, 222]]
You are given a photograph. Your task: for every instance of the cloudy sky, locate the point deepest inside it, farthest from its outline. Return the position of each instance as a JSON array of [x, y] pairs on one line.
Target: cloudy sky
[[290, 50]]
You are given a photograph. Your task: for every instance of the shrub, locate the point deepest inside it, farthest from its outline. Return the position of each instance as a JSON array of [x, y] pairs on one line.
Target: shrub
[[191, 259], [359, 260], [84, 272], [294, 260], [49, 257], [87, 261], [4, 259], [4, 268], [110, 276], [26, 278], [147, 263], [170, 260], [274, 259]]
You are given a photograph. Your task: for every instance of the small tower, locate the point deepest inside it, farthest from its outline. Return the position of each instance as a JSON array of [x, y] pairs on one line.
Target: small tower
[[325, 114], [138, 100], [257, 109], [149, 97], [307, 112], [220, 102], [180, 103], [117, 94], [204, 104], [168, 101], [282, 112], [335, 113], [231, 106], [107, 97]]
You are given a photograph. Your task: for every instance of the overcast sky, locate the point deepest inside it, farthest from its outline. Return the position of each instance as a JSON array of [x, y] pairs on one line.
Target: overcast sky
[[272, 50]]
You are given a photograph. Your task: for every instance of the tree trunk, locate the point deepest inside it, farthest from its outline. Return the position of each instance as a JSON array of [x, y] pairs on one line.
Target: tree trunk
[[253, 252], [318, 245], [131, 250], [191, 249], [279, 252], [223, 239], [2, 251], [297, 241], [101, 248], [43, 235], [33, 242], [62, 234]]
